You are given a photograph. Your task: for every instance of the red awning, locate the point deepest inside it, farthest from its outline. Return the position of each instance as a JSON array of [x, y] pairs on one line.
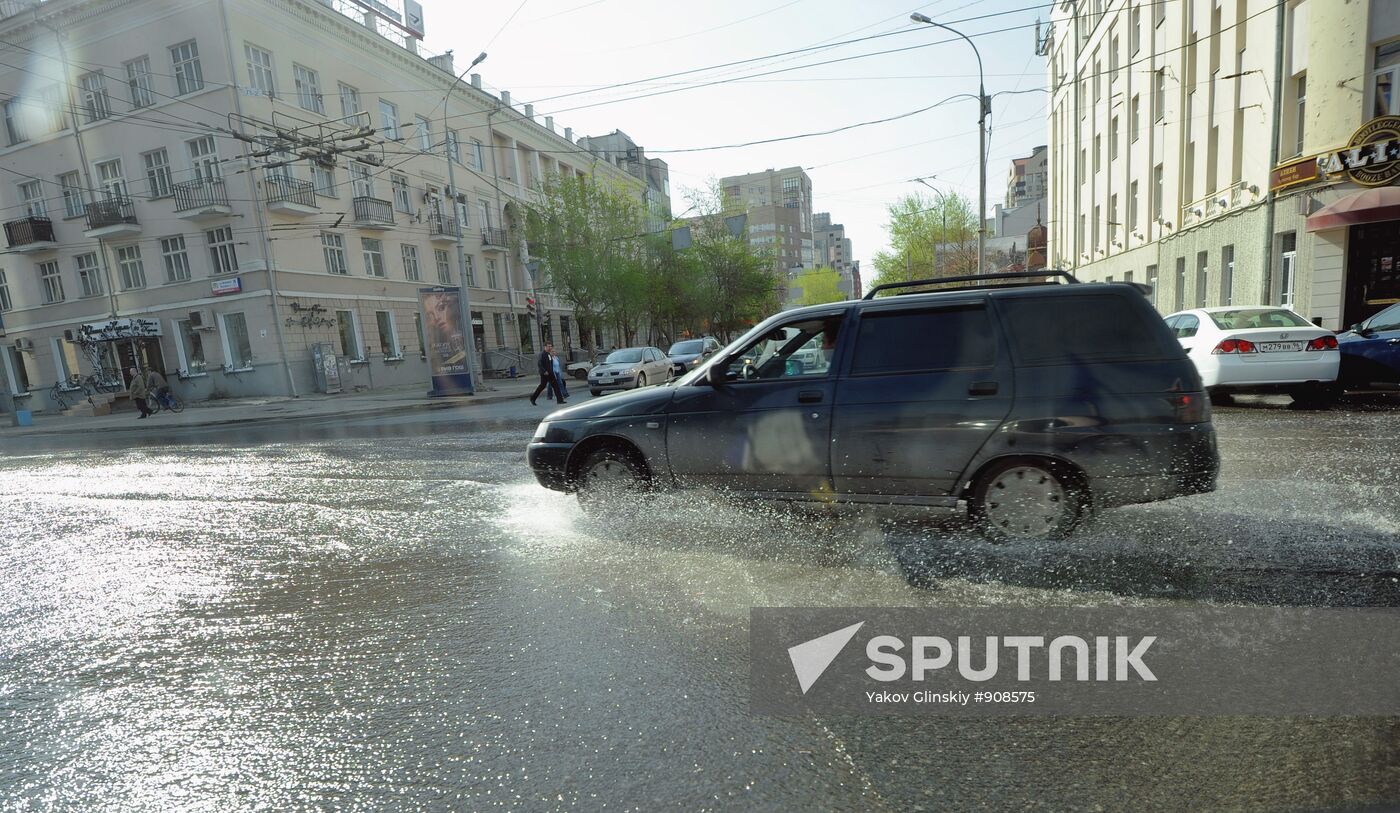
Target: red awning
[[1366, 206]]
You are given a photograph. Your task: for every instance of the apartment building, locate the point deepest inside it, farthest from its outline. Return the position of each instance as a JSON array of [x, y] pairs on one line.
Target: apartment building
[[833, 249], [1188, 150], [779, 205], [151, 212], [619, 149], [1026, 180]]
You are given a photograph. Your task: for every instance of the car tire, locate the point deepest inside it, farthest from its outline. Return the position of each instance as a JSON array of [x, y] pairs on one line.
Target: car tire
[[1220, 398], [595, 393], [1317, 396], [641, 381], [609, 476], [581, 375], [1024, 500]]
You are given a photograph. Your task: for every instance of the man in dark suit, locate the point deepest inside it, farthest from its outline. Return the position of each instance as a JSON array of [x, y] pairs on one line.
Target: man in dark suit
[[545, 363]]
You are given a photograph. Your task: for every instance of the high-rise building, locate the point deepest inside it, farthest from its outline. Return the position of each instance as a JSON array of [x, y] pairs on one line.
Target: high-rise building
[[779, 206], [832, 249], [150, 209], [1025, 183], [1187, 152]]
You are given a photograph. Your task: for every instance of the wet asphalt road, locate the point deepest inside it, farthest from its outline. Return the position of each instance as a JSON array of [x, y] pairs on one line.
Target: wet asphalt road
[[389, 614]]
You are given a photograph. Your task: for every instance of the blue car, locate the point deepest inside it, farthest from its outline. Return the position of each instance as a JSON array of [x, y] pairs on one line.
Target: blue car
[[1371, 350]]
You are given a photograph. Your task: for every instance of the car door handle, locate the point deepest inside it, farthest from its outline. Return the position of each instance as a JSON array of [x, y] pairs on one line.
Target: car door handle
[[982, 388], [1392, 341], [809, 397]]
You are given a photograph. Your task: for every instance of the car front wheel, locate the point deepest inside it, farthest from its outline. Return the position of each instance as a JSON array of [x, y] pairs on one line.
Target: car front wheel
[[641, 380], [607, 476], [1025, 500]]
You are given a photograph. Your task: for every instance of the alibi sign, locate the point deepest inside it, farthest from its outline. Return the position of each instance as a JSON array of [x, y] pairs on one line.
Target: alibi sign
[[1371, 157]]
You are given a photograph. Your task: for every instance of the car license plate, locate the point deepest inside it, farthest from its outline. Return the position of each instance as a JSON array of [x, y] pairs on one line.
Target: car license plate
[[1280, 347]]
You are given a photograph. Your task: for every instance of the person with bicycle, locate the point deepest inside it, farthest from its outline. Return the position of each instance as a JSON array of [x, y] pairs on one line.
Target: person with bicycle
[[159, 389], [138, 391]]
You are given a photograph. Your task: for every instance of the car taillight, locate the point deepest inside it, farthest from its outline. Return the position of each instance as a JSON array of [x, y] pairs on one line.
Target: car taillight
[[1323, 343], [1234, 346], [1190, 407]]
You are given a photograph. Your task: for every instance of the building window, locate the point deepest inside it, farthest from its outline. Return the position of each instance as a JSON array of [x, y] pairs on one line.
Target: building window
[[308, 87], [51, 282], [485, 216], [110, 176], [1113, 61], [324, 179], [361, 181], [478, 155], [192, 347], [238, 346], [333, 250], [388, 335], [71, 185], [1098, 77], [1202, 277], [1159, 95], [1227, 275], [471, 269], [1113, 139], [410, 262], [1300, 116], [389, 120], [32, 194], [14, 122], [1113, 219], [204, 158], [138, 82], [52, 102], [399, 185], [1288, 267], [157, 164], [1180, 283], [1132, 206], [1135, 33], [130, 267], [1157, 192], [425, 133], [1386, 76], [498, 324], [5, 302], [189, 77], [1135, 118], [1152, 282], [373, 251], [491, 281], [444, 268], [222, 253], [453, 148], [175, 259], [96, 104], [1098, 153], [1159, 13], [349, 100], [259, 70], [349, 336], [89, 280], [1094, 227]]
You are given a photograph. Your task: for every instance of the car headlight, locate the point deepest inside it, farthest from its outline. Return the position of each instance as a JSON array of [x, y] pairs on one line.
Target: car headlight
[[541, 430]]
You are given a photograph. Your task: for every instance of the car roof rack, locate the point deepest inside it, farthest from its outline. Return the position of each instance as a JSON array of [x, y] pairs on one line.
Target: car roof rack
[[1024, 275]]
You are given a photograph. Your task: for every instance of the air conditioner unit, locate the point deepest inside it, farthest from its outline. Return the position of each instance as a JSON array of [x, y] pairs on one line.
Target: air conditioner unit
[[69, 335], [201, 319], [23, 344]]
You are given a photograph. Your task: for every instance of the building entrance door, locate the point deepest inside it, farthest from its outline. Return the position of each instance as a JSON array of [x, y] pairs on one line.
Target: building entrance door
[[147, 350], [1373, 270]]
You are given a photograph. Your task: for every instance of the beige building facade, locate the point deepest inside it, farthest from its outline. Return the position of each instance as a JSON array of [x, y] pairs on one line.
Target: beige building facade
[[158, 188], [1177, 134]]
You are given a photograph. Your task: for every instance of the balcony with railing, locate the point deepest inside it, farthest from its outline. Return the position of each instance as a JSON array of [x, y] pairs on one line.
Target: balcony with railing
[[494, 239], [30, 235], [114, 216], [201, 199], [290, 196], [373, 213], [442, 228]]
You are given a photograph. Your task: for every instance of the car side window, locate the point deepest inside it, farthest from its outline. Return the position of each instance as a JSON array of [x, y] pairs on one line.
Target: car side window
[[1187, 326], [1171, 323], [1388, 319], [800, 349], [908, 341]]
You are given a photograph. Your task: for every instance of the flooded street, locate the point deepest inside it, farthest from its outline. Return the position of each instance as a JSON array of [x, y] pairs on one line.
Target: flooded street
[[389, 612]]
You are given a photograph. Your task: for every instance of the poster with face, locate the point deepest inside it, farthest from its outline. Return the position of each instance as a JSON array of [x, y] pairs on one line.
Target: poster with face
[[446, 338]]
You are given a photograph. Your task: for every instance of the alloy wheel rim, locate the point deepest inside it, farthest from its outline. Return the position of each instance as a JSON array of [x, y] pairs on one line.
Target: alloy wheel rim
[[609, 477], [1025, 502]]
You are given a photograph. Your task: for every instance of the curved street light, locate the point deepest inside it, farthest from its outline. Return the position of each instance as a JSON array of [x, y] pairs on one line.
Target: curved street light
[[468, 328], [981, 138]]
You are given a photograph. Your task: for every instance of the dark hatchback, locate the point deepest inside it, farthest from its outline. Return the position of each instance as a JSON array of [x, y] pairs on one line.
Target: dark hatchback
[[1031, 402]]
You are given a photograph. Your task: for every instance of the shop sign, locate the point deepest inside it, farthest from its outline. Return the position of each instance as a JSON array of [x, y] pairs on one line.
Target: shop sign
[[221, 287], [1293, 174], [119, 329], [1372, 156]]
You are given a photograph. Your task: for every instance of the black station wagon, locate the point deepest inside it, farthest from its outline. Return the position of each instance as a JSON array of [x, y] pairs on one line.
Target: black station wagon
[[1031, 402]]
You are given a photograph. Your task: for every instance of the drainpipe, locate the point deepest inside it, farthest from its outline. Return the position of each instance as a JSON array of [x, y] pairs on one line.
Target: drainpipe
[[268, 260], [1272, 199]]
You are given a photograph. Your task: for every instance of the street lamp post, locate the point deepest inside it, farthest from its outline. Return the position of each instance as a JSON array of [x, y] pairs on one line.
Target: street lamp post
[[465, 298], [981, 139], [942, 207]]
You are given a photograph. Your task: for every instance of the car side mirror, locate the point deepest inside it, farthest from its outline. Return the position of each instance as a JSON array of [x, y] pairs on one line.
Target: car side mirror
[[1360, 329]]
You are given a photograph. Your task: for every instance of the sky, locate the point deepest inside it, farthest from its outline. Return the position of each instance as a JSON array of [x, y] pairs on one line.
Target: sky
[[541, 49]]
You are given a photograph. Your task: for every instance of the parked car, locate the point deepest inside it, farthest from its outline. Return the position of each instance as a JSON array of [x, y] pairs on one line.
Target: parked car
[[630, 368], [1259, 349], [1371, 350], [1029, 403], [691, 353]]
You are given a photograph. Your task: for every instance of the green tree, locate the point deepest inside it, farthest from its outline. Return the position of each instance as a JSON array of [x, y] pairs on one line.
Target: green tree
[[820, 286], [930, 236], [586, 235], [733, 282]]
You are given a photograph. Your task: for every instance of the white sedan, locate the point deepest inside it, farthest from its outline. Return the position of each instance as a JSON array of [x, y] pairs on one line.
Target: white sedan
[[1259, 349]]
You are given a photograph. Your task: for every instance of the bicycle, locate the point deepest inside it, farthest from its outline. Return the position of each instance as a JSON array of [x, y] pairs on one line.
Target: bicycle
[[63, 391], [107, 379], [167, 401]]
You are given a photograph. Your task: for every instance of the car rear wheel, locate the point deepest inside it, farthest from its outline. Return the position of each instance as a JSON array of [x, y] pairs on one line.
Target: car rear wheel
[[609, 476], [1024, 500], [1315, 396]]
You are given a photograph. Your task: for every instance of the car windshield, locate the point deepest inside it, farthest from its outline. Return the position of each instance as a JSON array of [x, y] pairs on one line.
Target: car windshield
[[684, 348], [1258, 317], [629, 356]]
